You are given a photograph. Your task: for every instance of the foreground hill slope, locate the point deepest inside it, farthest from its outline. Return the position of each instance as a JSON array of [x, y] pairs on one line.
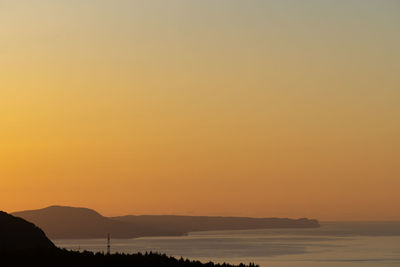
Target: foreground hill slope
[[75, 223], [18, 234]]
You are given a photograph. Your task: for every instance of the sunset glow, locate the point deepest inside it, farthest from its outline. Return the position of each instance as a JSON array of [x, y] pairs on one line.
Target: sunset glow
[[231, 108]]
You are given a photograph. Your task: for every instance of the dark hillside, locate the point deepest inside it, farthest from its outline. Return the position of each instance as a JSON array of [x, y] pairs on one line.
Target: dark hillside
[[16, 233]]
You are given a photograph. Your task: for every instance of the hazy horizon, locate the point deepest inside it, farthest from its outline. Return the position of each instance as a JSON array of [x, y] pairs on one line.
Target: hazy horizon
[[205, 215], [220, 108]]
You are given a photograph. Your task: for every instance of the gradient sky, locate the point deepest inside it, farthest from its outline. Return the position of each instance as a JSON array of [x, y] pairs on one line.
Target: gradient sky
[[243, 108]]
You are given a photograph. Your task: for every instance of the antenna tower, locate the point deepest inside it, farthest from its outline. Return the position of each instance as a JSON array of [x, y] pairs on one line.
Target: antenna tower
[[108, 244]]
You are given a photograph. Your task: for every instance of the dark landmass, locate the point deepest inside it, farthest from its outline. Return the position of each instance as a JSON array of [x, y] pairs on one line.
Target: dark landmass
[[61, 258], [80, 223], [24, 244], [16, 233]]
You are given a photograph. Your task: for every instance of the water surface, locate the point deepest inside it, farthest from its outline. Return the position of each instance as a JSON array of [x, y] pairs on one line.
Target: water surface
[[334, 244]]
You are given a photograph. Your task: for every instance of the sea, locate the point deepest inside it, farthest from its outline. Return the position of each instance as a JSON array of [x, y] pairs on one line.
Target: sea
[[369, 244]]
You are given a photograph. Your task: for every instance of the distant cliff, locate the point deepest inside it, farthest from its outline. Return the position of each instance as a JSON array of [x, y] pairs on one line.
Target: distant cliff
[[68, 222]]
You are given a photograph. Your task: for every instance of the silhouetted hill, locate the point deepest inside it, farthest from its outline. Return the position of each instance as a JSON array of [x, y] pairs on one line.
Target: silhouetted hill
[[68, 222], [18, 234]]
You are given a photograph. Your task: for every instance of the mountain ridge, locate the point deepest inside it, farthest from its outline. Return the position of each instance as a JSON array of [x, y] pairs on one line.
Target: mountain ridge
[[63, 222]]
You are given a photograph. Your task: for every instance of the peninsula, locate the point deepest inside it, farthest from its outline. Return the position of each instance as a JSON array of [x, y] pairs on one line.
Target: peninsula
[[61, 222]]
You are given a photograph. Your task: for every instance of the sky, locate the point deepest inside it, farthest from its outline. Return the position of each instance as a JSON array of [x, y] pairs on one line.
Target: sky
[[231, 108]]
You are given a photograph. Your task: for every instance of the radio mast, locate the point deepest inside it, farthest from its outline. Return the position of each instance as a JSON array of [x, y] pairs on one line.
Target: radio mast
[[108, 244]]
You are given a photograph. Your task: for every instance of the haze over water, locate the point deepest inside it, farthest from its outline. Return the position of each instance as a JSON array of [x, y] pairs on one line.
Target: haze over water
[[334, 244]]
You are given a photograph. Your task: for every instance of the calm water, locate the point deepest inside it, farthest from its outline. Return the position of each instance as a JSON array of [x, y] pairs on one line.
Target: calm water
[[334, 244]]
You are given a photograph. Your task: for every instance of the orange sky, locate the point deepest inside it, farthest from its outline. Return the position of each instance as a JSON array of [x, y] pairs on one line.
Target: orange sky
[[202, 108]]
